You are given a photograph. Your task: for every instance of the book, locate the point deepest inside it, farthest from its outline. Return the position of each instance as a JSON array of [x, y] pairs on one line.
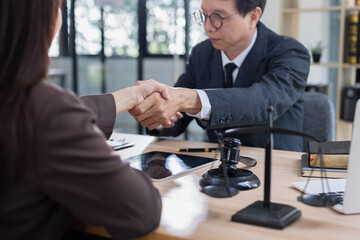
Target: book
[[308, 171], [335, 154], [352, 37]]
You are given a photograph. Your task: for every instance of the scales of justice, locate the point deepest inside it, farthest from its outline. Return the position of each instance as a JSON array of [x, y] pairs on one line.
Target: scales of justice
[[227, 180]]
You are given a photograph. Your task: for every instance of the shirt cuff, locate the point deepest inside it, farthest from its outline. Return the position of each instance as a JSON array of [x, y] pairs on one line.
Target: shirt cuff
[[206, 107]]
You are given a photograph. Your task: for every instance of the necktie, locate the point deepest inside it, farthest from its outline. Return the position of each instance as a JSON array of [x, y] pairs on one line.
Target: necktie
[[229, 68]]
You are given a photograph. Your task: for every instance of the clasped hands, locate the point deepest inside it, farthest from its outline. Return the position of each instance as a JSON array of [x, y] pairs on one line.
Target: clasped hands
[[154, 104], [159, 108]]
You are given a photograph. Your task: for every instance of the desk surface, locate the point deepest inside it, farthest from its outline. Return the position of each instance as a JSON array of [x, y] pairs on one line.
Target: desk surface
[[189, 214]]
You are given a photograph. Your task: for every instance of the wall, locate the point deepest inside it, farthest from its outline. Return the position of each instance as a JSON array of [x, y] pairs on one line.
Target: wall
[[308, 36], [271, 15]]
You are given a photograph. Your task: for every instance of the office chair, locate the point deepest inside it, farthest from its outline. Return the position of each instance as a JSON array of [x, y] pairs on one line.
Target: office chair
[[319, 118]]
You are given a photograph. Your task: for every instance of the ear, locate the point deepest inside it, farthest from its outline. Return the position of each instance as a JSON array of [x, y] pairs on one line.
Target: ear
[[255, 15]]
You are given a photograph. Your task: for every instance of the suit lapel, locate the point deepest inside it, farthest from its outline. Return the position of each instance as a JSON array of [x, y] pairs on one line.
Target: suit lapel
[[249, 67]]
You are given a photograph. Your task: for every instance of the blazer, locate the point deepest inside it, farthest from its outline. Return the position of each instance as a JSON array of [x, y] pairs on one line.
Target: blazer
[[273, 74], [74, 172]]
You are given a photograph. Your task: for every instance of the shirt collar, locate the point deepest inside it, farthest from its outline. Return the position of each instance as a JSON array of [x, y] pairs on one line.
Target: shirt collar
[[241, 57]]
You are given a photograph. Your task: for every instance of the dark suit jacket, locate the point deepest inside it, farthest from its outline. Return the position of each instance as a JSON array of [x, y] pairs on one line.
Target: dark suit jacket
[[74, 172], [274, 73]]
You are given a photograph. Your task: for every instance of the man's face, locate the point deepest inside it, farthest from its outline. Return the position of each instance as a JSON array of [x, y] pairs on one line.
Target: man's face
[[236, 31]]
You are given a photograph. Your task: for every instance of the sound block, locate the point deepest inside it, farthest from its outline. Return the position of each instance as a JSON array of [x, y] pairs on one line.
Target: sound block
[[242, 179], [276, 216]]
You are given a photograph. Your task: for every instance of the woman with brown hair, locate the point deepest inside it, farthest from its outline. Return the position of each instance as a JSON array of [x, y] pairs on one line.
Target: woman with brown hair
[[54, 161]]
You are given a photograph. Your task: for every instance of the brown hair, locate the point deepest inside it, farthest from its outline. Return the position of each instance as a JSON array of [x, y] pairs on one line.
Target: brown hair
[[26, 31]]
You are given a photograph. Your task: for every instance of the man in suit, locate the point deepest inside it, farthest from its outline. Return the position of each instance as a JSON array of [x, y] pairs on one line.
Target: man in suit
[[269, 70]]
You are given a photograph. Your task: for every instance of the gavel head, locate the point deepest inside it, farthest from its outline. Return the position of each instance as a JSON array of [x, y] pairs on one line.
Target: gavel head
[[231, 153]]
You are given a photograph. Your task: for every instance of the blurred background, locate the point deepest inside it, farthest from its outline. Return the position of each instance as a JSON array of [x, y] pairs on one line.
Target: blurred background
[[106, 45]]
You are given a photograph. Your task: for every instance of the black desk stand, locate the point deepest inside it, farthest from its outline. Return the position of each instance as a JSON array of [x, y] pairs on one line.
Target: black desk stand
[[264, 213]]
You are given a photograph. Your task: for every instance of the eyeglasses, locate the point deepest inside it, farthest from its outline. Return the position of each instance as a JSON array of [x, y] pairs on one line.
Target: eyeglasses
[[216, 19]]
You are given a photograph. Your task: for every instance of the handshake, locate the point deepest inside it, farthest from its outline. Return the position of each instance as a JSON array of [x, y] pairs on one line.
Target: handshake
[[154, 104]]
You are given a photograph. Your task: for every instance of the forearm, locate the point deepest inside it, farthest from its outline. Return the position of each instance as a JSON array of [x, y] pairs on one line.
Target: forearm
[[103, 107], [187, 100], [248, 105], [125, 99]]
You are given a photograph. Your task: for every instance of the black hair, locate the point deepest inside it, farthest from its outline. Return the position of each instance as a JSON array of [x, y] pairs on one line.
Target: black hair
[[245, 6]]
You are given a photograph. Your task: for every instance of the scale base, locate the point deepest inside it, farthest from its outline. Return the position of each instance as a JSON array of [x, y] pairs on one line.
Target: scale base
[[242, 179], [276, 216]]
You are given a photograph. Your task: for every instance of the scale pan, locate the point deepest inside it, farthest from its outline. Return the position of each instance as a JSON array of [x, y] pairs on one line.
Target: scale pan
[[219, 191], [320, 200]]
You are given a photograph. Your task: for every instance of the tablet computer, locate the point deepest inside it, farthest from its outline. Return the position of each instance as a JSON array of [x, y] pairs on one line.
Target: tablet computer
[[162, 166]]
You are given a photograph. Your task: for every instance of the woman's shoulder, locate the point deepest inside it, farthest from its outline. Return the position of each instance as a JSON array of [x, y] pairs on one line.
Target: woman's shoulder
[[46, 91], [48, 97]]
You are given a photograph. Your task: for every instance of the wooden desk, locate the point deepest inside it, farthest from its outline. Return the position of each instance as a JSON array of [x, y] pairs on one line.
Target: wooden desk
[[189, 214]]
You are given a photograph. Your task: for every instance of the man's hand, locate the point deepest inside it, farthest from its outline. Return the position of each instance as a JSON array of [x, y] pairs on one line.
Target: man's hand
[[146, 88], [172, 120], [156, 111], [130, 97]]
